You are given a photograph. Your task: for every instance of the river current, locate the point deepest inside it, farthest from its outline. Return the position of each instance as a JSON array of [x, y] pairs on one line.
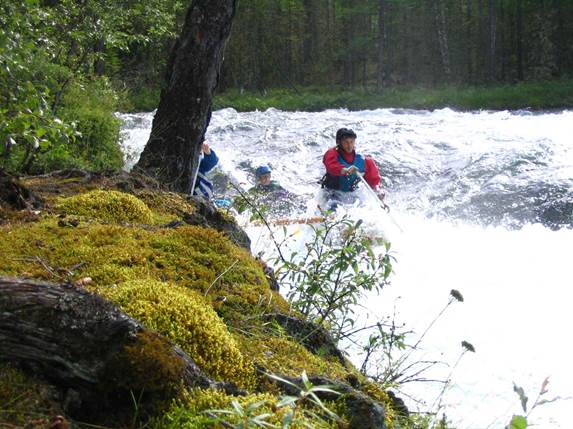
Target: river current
[[484, 201]]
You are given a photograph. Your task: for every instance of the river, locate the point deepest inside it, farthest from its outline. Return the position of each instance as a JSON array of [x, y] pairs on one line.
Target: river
[[485, 203]]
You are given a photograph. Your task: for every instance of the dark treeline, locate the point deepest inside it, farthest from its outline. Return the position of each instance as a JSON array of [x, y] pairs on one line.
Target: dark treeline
[[67, 65], [384, 43]]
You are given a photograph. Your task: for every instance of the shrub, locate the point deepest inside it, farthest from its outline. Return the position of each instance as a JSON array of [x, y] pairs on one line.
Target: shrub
[[326, 280], [91, 106]]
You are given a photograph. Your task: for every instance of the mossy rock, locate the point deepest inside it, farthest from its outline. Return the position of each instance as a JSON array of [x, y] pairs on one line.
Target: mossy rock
[[192, 256], [283, 355], [110, 206], [146, 365], [160, 276], [199, 409], [166, 203], [186, 318]]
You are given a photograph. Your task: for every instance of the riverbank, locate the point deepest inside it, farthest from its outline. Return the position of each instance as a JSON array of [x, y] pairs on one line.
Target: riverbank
[[155, 314], [534, 96], [544, 95]]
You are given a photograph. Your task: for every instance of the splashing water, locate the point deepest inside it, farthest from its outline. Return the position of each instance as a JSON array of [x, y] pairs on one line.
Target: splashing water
[[485, 202]]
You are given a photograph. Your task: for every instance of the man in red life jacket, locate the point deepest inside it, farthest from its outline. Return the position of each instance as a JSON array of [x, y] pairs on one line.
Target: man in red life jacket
[[343, 165]]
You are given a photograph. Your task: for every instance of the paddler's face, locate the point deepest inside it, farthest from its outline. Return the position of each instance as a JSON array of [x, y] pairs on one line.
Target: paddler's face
[[265, 179], [347, 144]]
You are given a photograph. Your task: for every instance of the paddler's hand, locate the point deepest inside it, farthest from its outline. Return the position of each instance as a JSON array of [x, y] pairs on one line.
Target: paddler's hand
[[381, 194], [347, 171]]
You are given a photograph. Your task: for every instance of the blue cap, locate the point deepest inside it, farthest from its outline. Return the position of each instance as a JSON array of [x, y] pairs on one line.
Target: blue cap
[[263, 169]]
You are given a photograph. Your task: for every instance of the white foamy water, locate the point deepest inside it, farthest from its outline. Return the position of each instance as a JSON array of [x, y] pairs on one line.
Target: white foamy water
[[485, 202]]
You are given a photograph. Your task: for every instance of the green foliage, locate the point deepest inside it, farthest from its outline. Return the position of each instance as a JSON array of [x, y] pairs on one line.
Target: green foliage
[[295, 410], [140, 99], [53, 114], [383, 44], [427, 421], [246, 417], [28, 79], [170, 279], [91, 106], [517, 422], [521, 421], [534, 95], [198, 409], [337, 267]]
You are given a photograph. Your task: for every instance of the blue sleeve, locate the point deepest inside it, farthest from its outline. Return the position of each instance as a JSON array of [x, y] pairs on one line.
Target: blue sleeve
[[208, 162]]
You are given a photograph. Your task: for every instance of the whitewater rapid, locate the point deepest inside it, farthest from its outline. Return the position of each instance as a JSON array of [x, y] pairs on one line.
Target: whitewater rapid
[[485, 202]]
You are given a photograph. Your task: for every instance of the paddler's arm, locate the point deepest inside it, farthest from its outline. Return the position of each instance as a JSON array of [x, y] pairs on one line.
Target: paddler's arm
[[332, 164], [372, 177], [371, 174]]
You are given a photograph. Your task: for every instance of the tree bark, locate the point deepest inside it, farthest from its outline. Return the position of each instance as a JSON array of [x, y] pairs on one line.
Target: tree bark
[[310, 39], [519, 39], [492, 24], [172, 152], [75, 339], [99, 64], [440, 20], [381, 43]]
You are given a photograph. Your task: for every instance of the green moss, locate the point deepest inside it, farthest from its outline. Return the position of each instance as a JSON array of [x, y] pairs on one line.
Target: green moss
[[160, 276], [147, 365], [111, 206], [166, 203], [186, 318], [199, 409], [282, 355], [376, 392], [24, 400], [190, 255]]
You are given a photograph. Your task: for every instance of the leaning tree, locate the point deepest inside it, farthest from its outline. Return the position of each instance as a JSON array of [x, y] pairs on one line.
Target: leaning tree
[[172, 152]]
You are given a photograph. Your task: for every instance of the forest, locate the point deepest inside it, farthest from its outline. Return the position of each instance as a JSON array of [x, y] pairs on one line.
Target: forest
[[384, 43], [67, 65], [129, 303]]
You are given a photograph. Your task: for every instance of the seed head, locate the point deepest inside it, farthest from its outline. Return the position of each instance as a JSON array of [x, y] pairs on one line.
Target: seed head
[[468, 346], [457, 295]]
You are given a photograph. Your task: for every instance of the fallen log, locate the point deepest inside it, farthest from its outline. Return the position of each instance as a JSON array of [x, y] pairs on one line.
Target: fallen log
[[78, 340]]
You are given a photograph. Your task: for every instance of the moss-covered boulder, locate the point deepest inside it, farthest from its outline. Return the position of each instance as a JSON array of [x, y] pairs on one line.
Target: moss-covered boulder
[[111, 206], [182, 269], [186, 317]]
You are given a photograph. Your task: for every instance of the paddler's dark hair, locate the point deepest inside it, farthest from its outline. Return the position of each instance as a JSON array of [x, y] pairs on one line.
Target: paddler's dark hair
[[344, 133]]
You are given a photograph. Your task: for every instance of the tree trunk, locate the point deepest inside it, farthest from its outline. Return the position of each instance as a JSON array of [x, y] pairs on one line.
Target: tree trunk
[[440, 19], [381, 42], [310, 41], [519, 39], [172, 152], [78, 340], [99, 64], [560, 44], [481, 45], [492, 24], [470, 37]]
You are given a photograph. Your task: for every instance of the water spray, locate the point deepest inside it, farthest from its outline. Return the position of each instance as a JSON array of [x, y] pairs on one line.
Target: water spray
[[380, 203]]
